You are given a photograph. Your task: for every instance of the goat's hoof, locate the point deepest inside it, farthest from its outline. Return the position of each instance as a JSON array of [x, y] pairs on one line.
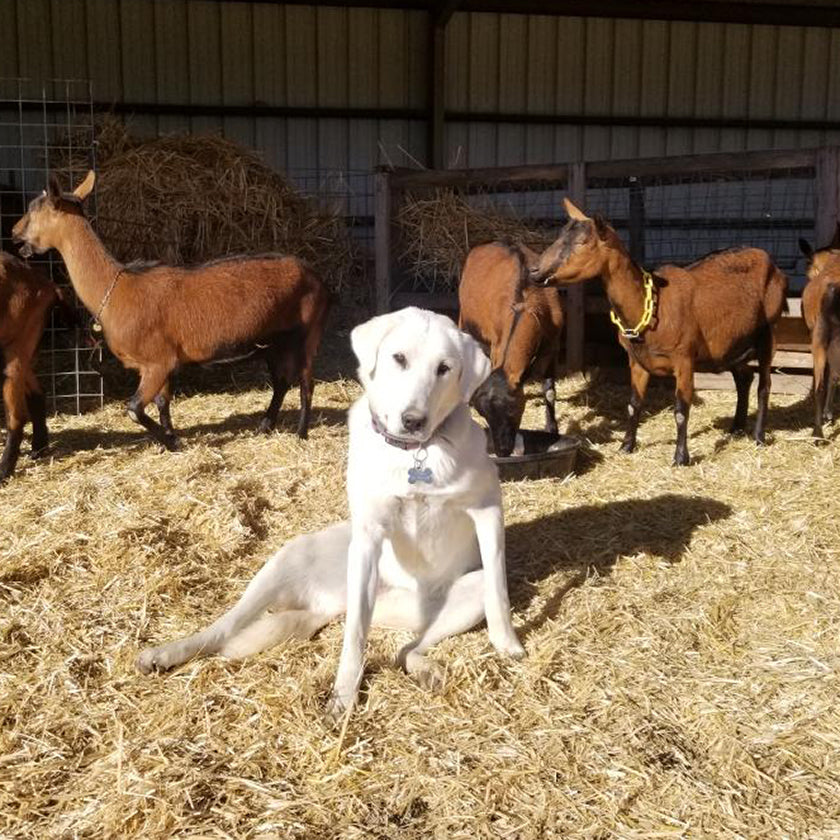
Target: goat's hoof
[[172, 443], [303, 434], [737, 431], [627, 448], [266, 426], [681, 459], [38, 451]]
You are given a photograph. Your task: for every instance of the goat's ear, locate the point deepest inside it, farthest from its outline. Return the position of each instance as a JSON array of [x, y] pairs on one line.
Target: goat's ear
[[86, 187], [805, 247], [475, 366], [53, 187], [574, 212], [601, 225], [366, 338]]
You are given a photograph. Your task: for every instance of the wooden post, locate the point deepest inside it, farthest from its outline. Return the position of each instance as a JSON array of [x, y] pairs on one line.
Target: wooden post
[[576, 294], [637, 220], [382, 240], [827, 195]]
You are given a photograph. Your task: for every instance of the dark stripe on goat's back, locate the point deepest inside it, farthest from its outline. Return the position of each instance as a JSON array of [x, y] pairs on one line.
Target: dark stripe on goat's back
[[143, 266], [721, 252]]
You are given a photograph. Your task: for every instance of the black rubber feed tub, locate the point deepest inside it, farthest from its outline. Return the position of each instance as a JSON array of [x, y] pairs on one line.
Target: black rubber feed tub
[[544, 455]]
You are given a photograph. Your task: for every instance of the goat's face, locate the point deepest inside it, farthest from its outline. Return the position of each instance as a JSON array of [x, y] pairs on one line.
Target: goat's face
[[502, 407], [577, 254], [822, 262], [41, 227], [416, 367]]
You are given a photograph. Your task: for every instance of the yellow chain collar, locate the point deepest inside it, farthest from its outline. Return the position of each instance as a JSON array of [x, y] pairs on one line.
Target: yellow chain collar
[[647, 315]]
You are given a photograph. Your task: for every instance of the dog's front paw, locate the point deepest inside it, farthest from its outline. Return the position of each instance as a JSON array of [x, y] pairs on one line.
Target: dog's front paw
[[336, 709], [510, 646]]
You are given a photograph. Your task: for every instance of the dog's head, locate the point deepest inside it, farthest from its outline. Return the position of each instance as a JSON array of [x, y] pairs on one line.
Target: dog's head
[[416, 367]]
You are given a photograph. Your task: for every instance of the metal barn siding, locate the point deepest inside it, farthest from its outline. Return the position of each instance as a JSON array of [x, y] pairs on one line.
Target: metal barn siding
[[213, 53]]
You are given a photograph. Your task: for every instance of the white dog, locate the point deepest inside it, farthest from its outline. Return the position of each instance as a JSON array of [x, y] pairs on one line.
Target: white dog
[[424, 548]]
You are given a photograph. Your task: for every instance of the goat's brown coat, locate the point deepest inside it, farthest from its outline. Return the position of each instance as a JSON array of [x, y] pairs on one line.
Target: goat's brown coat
[[715, 314], [821, 311], [26, 296], [519, 323], [157, 317]]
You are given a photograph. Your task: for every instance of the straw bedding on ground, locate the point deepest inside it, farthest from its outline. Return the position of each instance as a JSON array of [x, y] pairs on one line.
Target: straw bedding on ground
[[681, 629]]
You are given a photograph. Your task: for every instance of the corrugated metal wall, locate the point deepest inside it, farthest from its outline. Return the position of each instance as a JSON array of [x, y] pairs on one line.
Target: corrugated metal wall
[[204, 52]]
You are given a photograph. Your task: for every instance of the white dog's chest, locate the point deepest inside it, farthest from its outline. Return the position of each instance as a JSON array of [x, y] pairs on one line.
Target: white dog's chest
[[428, 539]]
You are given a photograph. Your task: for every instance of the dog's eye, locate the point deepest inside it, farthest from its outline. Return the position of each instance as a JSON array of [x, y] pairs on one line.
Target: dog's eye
[[443, 369], [400, 360]]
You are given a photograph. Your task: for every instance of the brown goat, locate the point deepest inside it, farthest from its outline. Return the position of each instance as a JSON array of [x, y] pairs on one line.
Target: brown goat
[[521, 325], [821, 311], [158, 317], [715, 314], [26, 297]]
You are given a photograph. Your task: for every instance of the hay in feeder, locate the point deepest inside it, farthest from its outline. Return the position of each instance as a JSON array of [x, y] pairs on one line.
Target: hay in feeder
[[186, 199], [436, 232]]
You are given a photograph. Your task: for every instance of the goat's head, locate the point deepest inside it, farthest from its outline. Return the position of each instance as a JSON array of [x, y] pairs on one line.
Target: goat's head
[[501, 404], [823, 260], [41, 226], [577, 254]]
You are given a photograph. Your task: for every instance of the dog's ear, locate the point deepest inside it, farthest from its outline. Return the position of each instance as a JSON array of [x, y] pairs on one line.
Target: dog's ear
[[366, 338], [475, 366]]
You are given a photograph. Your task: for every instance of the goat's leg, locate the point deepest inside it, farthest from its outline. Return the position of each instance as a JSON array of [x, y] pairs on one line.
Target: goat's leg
[[14, 402], [743, 382], [152, 379], [548, 396], [831, 385], [639, 379], [163, 398], [820, 385], [765, 358], [36, 405], [275, 357], [684, 373], [311, 342]]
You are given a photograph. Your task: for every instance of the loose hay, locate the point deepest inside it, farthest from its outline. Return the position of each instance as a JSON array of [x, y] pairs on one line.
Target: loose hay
[[681, 629], [436, 233]]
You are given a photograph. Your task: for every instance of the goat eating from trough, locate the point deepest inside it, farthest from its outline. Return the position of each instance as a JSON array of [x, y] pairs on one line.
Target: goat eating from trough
[[156, 318], [821, 311], [26, 297], [715, 314], [521, 325]]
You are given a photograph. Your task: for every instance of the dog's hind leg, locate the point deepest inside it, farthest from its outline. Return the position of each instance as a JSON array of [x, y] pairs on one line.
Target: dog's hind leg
[[305, 582], [271, 628], [461, 610]]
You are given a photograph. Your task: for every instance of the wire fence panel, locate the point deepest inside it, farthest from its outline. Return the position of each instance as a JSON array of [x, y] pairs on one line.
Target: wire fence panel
[[40, 124]]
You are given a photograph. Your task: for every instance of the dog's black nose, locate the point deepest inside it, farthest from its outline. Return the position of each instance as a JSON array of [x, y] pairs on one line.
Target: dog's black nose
[[413, 421]]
